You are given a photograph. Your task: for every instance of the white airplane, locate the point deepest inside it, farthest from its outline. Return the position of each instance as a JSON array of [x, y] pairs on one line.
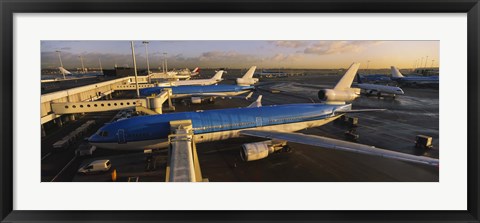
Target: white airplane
[[378, 89], [248, 79], [276, 122], [214, 80], [186, 71]]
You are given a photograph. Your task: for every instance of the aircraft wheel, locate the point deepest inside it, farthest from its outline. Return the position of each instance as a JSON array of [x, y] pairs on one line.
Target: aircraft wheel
[[287, 149]]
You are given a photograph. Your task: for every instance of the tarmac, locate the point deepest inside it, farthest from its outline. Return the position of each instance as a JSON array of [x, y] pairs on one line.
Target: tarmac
[[415, 113]]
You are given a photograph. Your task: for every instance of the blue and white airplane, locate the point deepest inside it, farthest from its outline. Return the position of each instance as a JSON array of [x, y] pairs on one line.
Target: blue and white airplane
[[197, 93], [276, 122], [413, 80]]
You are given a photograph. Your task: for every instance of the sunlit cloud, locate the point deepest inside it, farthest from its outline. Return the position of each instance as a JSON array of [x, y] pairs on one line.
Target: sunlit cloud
[[336, 47], [240, 54], [289, 43], [280, 57]]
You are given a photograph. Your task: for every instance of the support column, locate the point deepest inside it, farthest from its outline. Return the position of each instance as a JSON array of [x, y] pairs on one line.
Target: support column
[[59, 121], [43, 131]]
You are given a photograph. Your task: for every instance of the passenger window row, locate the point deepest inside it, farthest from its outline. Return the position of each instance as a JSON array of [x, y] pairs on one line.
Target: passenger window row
[[102, 105]]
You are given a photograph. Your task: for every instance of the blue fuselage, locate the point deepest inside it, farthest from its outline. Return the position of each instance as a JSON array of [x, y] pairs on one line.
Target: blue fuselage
[[156, 127], [196, 90], [417, 80]]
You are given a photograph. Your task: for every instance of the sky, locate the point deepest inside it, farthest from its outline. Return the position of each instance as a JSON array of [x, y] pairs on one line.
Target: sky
[[299, 54]]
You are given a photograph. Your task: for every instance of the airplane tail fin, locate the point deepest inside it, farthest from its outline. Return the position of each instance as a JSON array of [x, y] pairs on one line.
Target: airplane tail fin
[[250, 72], [196, 70], [248, 79], [347, 79], [64, 71], [218, 75], [342, 92], [396, 73]]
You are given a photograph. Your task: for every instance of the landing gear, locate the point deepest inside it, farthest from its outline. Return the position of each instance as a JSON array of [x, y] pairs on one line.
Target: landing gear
[[150, 164], [287, 149]]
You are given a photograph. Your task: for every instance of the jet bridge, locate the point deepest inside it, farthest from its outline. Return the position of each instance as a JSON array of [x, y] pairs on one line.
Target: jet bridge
[[183, 164], [153, 103]]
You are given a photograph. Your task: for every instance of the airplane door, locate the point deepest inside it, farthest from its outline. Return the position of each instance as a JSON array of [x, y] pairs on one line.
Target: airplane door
[[121, 136], [259, 121]]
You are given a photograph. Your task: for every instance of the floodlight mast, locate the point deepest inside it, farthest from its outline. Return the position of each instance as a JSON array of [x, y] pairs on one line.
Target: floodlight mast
[[135, 69], [145, 43]]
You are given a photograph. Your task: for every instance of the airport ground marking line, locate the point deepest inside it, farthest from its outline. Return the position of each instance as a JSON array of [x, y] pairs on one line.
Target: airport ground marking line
[[65, 167], [47, 155]]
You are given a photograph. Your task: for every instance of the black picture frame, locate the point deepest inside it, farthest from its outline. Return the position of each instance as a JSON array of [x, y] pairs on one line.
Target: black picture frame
[[9, 7]]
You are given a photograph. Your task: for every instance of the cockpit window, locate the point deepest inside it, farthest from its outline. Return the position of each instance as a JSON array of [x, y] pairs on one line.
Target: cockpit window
[[103, 133]]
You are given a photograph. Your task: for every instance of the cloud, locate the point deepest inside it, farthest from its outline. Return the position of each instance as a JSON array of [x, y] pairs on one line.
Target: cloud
[[280, 57], [336, 47], [289, 43]]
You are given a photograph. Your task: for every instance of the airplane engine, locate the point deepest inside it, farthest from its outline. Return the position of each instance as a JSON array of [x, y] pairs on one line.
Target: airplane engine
[[260, 150], [196, 100], [332, 95], [247, 81]]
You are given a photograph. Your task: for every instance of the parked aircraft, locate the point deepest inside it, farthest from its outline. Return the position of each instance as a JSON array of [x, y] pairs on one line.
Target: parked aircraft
[[214, 80], [413, 80], [377, 89], [210, 92], [200, 93], [186, 71], [276, 122]]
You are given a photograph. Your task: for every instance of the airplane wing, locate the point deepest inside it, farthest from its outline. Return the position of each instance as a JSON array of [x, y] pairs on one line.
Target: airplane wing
[[257, 103], [336, 144], [220, 94]]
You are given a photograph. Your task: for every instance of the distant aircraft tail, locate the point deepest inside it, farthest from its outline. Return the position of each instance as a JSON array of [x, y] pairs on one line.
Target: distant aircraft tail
[[218, 75], [396, 73], [64, 71], [250, 72], [347, 79], [342, 92], [196, 70], [248, 79]]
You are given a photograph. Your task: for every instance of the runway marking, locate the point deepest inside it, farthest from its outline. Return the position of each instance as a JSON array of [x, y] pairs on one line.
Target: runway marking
[[65, 167], [48, 154]]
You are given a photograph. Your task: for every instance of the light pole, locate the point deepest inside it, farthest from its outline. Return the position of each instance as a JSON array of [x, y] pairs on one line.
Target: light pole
[[135, 68], [426, 62], [432, 62], [100, 62], [61, 64], [81, 60], [165, 61], [145, 43]]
